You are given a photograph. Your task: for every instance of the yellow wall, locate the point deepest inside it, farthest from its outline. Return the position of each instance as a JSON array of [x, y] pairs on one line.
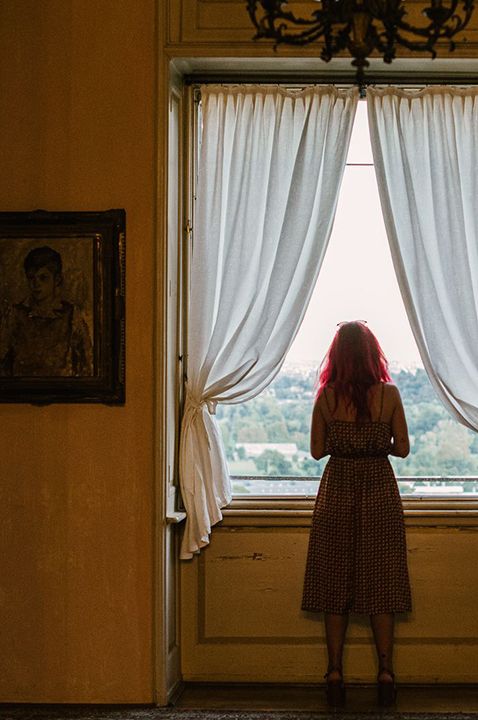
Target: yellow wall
[[77, 133]]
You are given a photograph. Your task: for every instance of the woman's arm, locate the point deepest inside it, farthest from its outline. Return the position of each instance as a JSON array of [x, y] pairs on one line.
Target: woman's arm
[[400, 443], [318, 432]]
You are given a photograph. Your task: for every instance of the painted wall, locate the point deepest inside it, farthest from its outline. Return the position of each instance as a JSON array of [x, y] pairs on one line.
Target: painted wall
[[77, 133]]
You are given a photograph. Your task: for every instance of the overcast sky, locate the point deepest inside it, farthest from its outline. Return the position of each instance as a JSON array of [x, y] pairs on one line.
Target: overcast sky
[[357, 280]]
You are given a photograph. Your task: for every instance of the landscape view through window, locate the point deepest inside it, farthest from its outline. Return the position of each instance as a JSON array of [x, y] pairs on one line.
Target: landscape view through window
[[267, 439]]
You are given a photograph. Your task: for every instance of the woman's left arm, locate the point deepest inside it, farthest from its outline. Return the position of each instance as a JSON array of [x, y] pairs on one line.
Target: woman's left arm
[[400, 446], [318, 432]]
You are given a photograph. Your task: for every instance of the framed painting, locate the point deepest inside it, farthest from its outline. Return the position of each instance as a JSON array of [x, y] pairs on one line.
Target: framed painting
[[62, 307]]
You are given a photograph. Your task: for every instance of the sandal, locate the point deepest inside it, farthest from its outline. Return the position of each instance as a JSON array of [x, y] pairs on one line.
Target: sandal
[[386, 690], [335, 689]]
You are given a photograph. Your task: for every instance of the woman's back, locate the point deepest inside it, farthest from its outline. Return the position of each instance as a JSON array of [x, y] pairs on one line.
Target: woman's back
[[349, 438], [336, 430], [380, 403]]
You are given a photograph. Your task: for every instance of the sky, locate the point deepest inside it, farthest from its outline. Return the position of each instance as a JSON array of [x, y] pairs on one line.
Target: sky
[[357, 280]]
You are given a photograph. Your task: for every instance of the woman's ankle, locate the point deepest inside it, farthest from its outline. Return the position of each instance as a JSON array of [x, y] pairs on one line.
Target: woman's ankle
[[386, 674], [334, 673]]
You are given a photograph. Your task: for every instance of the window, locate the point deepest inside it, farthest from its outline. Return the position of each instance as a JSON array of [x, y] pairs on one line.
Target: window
[[267, 439]]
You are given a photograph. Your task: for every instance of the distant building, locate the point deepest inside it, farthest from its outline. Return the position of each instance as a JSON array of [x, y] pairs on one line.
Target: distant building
[[252, 450], [438, 489]]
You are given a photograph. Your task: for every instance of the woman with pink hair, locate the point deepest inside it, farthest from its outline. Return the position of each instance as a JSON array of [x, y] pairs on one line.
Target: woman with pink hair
[[357, 559]]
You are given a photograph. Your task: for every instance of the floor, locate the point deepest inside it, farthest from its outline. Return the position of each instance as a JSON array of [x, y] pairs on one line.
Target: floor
[[360, 699], [198, 701]]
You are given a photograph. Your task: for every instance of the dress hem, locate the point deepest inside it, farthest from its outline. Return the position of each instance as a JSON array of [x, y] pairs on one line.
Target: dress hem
[[358, 611]]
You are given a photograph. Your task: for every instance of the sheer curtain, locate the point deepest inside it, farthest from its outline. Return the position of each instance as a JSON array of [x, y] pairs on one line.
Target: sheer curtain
[[270, 168], [425, 147]]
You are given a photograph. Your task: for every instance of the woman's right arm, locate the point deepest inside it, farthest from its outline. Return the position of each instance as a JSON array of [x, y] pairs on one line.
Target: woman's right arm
[[400, 443], [318, 432]]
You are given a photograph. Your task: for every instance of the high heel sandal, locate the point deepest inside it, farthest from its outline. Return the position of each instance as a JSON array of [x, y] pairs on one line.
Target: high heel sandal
[[386, 690], [335, 689]]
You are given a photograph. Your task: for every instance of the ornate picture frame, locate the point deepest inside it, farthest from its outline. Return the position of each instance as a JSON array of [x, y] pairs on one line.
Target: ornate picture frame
[[62, 307]]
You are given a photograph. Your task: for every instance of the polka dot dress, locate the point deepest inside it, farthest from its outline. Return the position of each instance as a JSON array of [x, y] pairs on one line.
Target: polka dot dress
[[357, 557]]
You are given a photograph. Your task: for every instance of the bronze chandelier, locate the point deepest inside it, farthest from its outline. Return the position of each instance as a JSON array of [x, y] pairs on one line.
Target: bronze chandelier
[[361, 27]]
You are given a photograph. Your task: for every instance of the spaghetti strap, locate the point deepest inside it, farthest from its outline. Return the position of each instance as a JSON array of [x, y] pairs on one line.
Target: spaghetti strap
[[381, 403], [331, 415]]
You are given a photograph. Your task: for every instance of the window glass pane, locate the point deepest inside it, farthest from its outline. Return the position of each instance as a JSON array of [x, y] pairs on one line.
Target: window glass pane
[[269, 435], [360, 150]]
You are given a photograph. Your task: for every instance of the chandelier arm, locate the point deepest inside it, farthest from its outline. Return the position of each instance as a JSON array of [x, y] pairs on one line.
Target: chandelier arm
[[301, 39], [335, 43], [294, 20], [385, 43], [275, 13], [281, 34], [445, 31], [417, 46]]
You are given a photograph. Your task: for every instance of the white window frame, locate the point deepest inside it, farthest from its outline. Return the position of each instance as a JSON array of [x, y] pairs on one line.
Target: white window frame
[[287, 509]]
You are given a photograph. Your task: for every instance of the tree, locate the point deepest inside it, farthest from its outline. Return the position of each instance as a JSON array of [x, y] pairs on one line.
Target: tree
[[241, 453], [310, 467], [271, 462], [249, 432]]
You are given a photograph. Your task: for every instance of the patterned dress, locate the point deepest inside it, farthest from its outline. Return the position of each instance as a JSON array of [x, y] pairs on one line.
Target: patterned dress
[[357, 556]]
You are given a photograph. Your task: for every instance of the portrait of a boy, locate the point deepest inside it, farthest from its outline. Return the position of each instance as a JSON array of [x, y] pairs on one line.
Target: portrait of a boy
[[44, 334]]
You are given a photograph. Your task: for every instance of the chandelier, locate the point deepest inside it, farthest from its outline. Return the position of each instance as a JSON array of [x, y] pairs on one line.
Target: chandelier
[[361, 27]]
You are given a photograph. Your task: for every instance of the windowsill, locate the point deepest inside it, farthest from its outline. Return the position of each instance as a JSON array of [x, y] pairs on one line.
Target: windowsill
[[287, 510], [290, 512]]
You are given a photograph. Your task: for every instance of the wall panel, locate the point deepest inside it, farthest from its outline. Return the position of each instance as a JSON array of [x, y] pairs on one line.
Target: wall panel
[[242, 619]]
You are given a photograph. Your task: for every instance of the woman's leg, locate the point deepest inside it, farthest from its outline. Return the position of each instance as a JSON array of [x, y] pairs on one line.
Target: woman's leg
[[335, 629], [383, 630]]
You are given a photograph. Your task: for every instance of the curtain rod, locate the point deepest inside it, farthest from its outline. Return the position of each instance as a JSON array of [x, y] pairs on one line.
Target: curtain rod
[[403, 79]]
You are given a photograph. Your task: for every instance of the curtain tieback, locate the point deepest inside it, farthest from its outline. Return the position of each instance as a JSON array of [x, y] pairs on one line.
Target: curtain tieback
[[198, 405]]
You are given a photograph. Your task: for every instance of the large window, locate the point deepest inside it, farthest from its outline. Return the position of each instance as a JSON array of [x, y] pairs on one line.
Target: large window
[[267, 438]]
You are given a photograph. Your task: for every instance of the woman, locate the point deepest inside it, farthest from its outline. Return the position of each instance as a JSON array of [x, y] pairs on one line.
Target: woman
[[357, 552]]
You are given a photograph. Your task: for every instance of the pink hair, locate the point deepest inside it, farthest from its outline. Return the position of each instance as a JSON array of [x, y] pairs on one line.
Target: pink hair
[[353, 363]]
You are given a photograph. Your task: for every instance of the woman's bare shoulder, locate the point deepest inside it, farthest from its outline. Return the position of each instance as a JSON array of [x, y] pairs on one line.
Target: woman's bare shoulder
[[322, 398], [391, 388], [325, 402], [391, 392]]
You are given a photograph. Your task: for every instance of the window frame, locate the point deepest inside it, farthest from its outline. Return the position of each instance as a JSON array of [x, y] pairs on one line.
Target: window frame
[[271, 509]]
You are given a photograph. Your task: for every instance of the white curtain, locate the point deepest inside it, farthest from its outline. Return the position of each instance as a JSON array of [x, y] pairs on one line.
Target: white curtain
[[425, 147], [270, 168]]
